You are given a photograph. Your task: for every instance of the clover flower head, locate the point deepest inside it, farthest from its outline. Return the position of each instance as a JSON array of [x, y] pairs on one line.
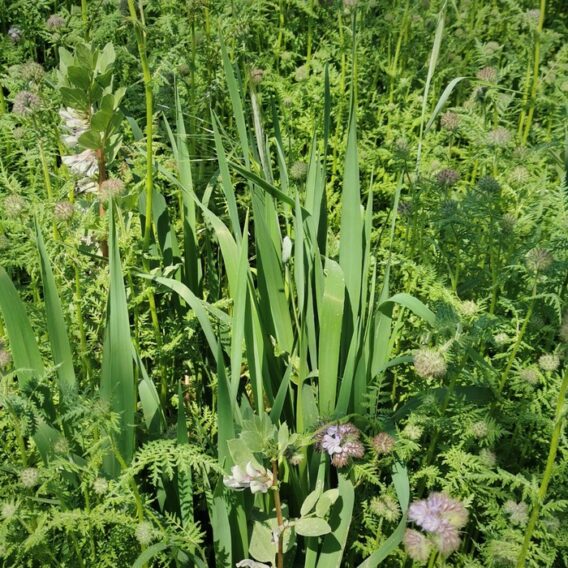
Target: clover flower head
[[383, 443], [429, 363], [518, 512], [254, 477], [417, 546], [29, 477], [144, 533]]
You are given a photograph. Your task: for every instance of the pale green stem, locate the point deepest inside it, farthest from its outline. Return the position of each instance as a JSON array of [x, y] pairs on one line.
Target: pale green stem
[[554, 442]]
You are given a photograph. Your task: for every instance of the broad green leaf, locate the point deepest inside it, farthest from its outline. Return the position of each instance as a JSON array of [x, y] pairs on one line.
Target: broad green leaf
[[312, 526], [149, 553], [442, 100], [410, 302]]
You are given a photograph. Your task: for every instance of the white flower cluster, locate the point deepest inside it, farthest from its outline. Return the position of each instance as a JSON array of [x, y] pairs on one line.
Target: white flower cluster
[[254, 477], [84, 165]]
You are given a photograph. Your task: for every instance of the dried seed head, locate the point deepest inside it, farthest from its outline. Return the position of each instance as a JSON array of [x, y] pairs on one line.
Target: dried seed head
[[385, 507], [518, 512], [519, 175], [429, 363], [487, 74], [64, 210], [530, 375], [499, 137], [32, 72], [55, 22], [13, 205], [256, 75], [299, 171], [29, 477], [549, 362], [26, 103], [111, 188], [383, 443], [479, 429], [9, 510], [450, 121], [15, 34], [538, 259], [447, 177]]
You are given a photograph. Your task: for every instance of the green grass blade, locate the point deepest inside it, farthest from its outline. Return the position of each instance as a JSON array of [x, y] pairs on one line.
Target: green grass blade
[[442, 101], [331, 318], [56, 327], [410, 302], [117, 374]]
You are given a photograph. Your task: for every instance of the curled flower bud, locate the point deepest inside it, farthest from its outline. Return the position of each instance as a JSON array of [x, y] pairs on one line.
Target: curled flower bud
[[341, 442], [417, 546], [383, 443], [429, 363]]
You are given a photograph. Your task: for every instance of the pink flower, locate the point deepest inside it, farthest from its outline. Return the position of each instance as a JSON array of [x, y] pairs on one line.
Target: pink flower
[[417, 546]]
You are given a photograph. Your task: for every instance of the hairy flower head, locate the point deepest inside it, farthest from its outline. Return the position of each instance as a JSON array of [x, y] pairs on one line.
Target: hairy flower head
[[144, 533], [25, 103], [450, 121], [383, 443], [385, 507], [417, 546], [429, 363], [64, 210], [29, 477], [549, 362], [518, 512], [538, 259], [13, 205], [55, 22], [487, 74], [447, 177]]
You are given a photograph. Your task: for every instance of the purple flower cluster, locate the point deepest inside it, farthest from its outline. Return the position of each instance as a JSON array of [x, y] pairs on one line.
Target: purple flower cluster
[[441, 518], [341, 442]]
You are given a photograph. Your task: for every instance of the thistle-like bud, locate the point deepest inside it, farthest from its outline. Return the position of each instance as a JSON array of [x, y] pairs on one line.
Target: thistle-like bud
[[487, 74], [519, 175], [29, 477], [529, 375], [55, 22], [385, 507], [499, 137], [412, 432], [429, 363], [488, 184], [26, 103], [64, 210], [447, 177], [299, 171], [450, 121], [111, 188], [144, 533], [13, 205], [100, 486], [538, 259], [549, 362]]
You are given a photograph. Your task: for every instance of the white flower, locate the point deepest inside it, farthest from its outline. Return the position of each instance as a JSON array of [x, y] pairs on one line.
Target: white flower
[[286, 249], [256, 478], [86, 185], [83, 164], [251, 564], [75, 123]]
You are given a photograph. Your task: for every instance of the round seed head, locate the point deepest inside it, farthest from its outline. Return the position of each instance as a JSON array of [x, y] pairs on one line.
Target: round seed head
[[32, 72], [64, 210], [450, 121], [519, 175], [55, 22], [25, 103], [417, 546], [385, 507], [111, 188], [299, 171], [479, 429], [447, 177], [144, 533], [429, 363], [412, 432], [500, 137], [9, 510], [538, 259], [529, 375], [256, 75], [487, 74], [13, 206], [100, 486], [383, 443], [549, 362], [29, 477]]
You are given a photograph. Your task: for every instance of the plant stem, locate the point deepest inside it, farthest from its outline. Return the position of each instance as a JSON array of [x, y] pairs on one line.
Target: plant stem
[[85, 18], [81, 324], [279, 517], [554, 442], [536, 65], [517, 345]]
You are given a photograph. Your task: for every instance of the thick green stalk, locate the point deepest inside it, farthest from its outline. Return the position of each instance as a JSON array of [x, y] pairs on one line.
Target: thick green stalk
[[554, 442], [536, 65], [85, 18]]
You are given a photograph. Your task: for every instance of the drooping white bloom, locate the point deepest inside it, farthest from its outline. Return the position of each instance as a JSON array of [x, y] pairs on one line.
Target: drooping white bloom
[[83, 164], [286, 249], [75, 123], [256, 478]]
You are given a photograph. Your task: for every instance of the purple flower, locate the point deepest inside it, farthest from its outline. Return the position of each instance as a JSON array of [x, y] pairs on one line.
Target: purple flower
[[341, 442], [417, 545]]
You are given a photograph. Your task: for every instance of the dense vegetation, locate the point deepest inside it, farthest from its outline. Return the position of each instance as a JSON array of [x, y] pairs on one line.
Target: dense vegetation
[[283, 283]]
